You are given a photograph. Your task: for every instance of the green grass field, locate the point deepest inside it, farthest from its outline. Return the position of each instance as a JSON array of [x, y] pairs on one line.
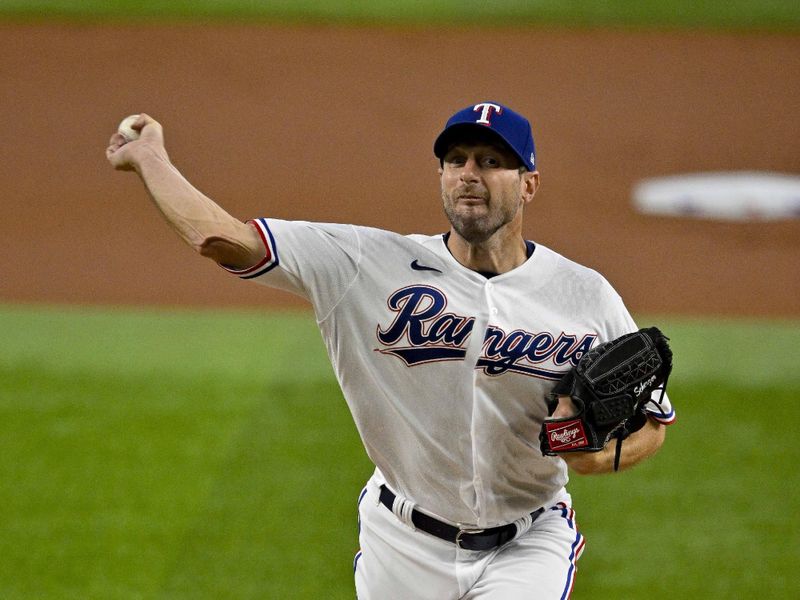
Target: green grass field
[[725, 14], [178, 454]]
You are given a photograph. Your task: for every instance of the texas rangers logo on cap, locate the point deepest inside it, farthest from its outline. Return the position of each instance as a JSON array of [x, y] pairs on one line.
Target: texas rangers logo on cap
[[511, 128], [486, 108]]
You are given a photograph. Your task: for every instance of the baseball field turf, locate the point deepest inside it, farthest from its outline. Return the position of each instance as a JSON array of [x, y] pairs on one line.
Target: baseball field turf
[[724, 14], [166, 454]]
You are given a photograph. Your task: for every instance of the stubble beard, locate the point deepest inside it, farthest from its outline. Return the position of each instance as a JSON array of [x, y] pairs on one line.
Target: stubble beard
[[477, 229]]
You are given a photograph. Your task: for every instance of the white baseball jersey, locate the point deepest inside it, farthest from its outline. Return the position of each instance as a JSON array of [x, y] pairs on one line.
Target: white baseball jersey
[[444, 370]]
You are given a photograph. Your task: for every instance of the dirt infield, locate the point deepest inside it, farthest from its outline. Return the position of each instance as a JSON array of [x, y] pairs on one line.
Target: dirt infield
[[336, 124]]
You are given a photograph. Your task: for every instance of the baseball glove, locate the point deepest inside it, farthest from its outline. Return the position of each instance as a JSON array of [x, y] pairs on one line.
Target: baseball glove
[[609, 387]]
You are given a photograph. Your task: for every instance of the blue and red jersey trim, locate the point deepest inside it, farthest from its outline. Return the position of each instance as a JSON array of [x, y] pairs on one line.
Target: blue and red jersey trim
[[270, 260], [663, 418]]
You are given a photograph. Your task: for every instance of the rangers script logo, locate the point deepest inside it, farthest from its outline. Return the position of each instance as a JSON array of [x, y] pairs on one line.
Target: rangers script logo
[[423, 331]]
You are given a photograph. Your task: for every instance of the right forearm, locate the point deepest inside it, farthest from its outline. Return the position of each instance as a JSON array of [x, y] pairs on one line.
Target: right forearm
[[192, 215], [202, 223]]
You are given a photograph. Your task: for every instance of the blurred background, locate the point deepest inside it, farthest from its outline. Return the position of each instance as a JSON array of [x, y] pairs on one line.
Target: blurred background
[[169, 431]]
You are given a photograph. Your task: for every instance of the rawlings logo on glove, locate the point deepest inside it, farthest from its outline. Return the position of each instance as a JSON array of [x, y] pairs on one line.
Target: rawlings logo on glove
[[568, 435], [609, 387]]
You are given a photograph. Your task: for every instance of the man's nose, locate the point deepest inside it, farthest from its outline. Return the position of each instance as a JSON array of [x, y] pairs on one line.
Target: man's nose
[[470, 170]]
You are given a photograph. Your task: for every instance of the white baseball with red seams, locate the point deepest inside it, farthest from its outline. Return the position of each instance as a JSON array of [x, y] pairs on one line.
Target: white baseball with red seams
[[125, 128], [422, 345]]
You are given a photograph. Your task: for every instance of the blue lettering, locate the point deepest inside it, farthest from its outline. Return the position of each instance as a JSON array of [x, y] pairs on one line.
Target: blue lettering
[[411, 315], [541, 347], [431, 335]]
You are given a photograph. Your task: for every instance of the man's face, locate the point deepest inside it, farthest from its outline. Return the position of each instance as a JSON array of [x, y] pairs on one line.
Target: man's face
[[483, 188]]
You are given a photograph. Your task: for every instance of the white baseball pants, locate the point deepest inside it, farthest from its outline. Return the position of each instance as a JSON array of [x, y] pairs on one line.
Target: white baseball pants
[[396, 562]]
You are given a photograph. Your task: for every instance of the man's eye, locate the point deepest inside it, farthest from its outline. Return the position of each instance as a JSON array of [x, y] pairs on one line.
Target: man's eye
[[491, 161]]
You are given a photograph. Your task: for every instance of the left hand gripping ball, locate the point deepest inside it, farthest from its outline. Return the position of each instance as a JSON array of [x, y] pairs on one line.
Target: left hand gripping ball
[[126, 130]]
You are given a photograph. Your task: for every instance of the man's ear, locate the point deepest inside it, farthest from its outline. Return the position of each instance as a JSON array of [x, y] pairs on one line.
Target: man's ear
[[530, 181]]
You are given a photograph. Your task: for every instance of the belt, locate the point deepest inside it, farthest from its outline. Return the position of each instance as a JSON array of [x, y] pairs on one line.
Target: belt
[[468, 539]]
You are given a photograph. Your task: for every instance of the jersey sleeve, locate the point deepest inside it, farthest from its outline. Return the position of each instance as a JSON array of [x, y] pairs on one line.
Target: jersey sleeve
[[660, 408], [318, 261]]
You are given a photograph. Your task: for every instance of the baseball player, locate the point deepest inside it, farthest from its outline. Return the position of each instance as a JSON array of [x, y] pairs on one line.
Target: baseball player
[[445, 347]]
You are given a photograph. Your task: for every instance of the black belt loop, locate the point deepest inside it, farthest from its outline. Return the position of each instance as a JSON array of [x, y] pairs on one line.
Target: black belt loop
[[468, 539]]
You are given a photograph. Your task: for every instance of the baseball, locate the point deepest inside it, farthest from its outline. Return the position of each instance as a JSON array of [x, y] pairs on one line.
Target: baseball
[[126, 130]]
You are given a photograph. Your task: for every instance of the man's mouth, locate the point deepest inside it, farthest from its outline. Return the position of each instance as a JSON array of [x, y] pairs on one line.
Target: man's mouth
[[471, 198]]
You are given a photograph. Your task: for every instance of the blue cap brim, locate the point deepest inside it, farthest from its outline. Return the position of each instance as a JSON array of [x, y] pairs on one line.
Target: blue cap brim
[[458, 131]]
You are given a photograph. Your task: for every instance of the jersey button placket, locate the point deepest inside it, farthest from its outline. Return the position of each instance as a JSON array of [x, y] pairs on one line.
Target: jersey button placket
[[475, 437], [492, 308]]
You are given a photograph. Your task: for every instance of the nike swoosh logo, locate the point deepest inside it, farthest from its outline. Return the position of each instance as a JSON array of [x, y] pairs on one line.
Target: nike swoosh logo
[[418, 267]]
